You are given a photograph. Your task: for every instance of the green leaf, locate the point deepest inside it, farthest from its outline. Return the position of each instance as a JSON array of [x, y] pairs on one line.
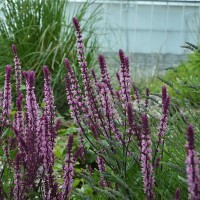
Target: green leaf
[[76, 182], [86, 189], [182, 179]]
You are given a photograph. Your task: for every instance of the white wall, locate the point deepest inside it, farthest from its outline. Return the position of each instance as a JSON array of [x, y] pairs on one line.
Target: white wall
[[146, 26]]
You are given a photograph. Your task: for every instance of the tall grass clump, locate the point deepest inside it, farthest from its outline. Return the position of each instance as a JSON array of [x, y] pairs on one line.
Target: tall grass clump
[[44, 36]]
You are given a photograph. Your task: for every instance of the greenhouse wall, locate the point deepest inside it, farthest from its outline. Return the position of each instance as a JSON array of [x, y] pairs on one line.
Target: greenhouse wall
[[150, 31]]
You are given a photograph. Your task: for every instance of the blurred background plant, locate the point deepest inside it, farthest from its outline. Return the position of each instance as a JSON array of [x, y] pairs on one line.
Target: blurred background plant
[[183, 81], [43, 33]]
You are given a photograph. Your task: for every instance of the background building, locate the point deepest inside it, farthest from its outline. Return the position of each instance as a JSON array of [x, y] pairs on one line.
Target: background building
[[151, 32]]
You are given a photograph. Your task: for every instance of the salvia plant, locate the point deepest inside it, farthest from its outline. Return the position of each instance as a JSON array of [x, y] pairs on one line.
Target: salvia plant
[[32, 137], [124, 131]]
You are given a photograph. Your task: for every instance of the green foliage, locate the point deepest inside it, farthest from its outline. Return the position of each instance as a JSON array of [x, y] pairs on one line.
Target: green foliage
[[43, 34], [186, 80], [170, 176], [183, 81]]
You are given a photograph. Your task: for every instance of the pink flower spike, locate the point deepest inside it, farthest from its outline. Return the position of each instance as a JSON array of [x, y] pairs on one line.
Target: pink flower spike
[[192, 166], [18, 73], [68, 171], [146, 160], [14, 50], [7, 95]]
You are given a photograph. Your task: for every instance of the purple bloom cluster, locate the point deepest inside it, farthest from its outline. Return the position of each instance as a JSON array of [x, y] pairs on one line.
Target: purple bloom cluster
[[48, 135], [36, 139], [18, 125], [68, 171], [35, 135], [133, 126], [105, 78], [192, 166], [90, 99], [102, 168], [1, 99], [124, 78], [163, 124], [177, 194], [7, 97], [110, 114], [73, 94], [146, 100], [18, 74], [6, 108], [32, 135], [18, 188], [146, 159], [74, 99], [165, 108]]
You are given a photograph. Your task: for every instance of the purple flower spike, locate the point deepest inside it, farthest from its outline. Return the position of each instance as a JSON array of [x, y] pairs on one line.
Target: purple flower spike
[[18, 73], [136, 92], [146, 160], [49, 104], [19, 102], [7, 95], [163, 120], [124, 78], [177, 194], [49, 127], [94, 131], [190, 138], [25, 73], [47, 155], [109, 113], [18, 189], [130, 114], [121, 56], [32, 131], [73, 91], [18, 125], [76, 24], [14, 49], [105, 78], [8, 72], [164, 93], [192, 166], [93, 112], [1, 99], [146, 100], [68, 171], [31, 78], [94, 76], [133, 126], [101, 166], [68, 66], [46, 72]]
